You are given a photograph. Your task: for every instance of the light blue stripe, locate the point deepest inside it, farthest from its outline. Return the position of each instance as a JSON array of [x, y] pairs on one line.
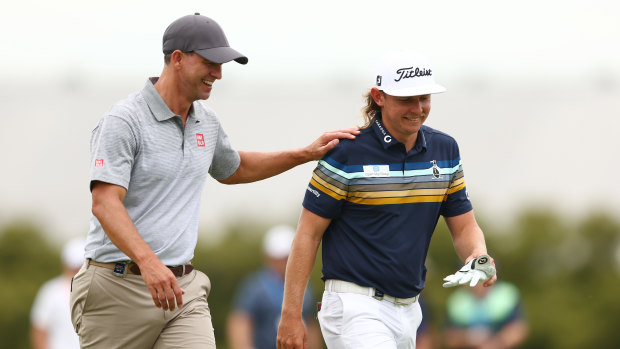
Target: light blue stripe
[[393, 174]]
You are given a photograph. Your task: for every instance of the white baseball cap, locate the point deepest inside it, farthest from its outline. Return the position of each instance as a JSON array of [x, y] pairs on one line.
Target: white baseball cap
[[406, 73], [73, 253], [278, 241]]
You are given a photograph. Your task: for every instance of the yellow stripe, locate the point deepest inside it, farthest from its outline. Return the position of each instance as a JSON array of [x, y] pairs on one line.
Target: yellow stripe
[[326, 190], [379, 198], [329, 186], [457, 182], [321, 175], [456, 188], [404, 200]]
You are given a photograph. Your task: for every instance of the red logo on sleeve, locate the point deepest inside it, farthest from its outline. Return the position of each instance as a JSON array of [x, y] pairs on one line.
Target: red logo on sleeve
[[200, 139], [98, 162]]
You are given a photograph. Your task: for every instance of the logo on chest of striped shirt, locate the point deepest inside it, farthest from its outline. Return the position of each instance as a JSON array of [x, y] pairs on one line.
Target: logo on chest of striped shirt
[[200, 139], [436, 173], [376, 170]]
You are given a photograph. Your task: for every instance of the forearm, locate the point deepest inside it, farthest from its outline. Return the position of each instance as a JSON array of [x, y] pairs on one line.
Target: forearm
[[291, 331], [298, 270], [256, 166], [470, 244], [310, 230], [117, 224], [119, 227], [467, 237]]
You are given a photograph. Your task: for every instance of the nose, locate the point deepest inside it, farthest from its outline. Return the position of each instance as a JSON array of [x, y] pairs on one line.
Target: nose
[[216, 71], [416, 105]]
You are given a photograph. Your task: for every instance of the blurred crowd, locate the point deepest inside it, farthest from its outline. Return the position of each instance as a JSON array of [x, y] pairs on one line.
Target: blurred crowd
[[473, 318]]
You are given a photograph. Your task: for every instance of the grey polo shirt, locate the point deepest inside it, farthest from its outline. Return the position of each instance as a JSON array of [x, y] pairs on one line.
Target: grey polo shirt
[[141, 145]]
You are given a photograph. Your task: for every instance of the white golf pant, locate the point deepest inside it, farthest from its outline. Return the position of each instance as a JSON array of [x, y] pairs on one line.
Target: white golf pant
[[356, 321]]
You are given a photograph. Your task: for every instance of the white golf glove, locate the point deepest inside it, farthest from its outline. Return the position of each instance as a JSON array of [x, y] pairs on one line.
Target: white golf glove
[[478, 269]]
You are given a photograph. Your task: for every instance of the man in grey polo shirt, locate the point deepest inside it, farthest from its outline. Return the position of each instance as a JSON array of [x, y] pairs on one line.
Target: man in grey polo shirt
[[150, 155]]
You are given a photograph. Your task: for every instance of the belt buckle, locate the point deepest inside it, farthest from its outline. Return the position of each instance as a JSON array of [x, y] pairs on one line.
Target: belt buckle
[[120, 269], [378, 295]]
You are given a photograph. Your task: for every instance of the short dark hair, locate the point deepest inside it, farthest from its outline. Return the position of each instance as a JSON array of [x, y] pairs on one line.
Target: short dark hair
[[168, 56]]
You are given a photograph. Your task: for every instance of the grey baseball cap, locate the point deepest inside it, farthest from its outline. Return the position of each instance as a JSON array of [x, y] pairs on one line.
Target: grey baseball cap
[[200, 34]]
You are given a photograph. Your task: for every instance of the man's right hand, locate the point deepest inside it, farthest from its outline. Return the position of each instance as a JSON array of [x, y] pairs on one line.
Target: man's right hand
[[163, 285], [292, 334]]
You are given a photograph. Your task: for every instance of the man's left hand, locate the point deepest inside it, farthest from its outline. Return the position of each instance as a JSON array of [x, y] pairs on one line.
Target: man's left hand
[[481, 268]]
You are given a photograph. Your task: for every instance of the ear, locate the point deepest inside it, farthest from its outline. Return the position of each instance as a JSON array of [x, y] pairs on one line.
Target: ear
[[378, 96], [176, 58]]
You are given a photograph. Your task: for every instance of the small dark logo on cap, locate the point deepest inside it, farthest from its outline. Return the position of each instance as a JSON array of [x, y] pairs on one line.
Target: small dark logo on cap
[[378, 80]]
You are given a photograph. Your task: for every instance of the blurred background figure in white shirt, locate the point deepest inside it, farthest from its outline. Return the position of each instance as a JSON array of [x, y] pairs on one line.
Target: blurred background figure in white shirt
[[50, 317]]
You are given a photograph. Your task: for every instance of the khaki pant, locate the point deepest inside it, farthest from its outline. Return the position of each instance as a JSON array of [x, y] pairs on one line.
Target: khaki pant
[[110, 312]]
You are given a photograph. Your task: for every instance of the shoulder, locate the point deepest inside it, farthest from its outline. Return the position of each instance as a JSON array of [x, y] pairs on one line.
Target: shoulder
[[434, 135], [348, 148], [128, 109], [205, 113], [124, 115]]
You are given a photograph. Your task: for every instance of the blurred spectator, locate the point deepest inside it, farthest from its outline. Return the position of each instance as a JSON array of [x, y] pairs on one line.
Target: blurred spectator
[[50, 317], [485, 317], [424, 336], [253, 322]]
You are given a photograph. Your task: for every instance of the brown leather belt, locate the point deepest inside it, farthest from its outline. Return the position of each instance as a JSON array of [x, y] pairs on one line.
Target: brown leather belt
[[132, 268]]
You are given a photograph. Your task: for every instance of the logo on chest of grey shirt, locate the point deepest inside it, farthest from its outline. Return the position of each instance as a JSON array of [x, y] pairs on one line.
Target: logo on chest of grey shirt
[[200, 139]]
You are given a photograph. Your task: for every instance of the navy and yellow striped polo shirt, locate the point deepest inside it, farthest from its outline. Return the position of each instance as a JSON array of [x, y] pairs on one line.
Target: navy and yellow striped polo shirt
[[384, 204]]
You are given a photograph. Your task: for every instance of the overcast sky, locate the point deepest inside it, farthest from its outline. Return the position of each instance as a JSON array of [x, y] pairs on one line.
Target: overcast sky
[[533, 93], [305, 39]]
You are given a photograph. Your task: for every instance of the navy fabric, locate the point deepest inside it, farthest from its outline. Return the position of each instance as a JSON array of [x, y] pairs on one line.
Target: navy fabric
[[384, 204]]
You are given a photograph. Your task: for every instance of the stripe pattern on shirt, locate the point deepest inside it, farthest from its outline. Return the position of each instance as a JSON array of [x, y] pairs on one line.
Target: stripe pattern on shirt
[[415, 183]]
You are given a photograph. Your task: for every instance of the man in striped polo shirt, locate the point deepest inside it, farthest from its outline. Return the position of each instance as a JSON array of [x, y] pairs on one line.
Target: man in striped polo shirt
[[150, 156], [374, 203]]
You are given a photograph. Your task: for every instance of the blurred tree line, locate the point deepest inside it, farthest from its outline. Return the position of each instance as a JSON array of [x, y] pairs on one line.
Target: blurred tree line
[[568, 272]]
